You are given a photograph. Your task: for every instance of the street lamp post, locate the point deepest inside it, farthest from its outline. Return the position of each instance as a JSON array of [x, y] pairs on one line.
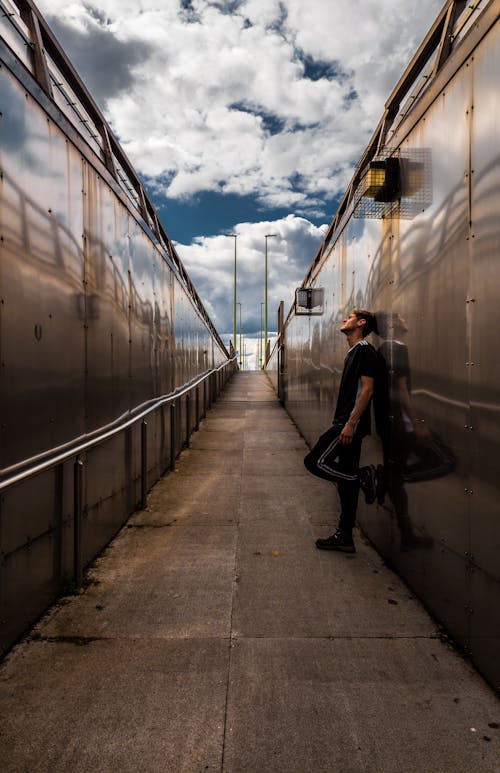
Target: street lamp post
[[267, 236], [261, 347], [234, 236], [241, 352]]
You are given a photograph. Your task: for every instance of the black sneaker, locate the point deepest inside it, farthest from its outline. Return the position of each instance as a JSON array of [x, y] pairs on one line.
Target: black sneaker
[[367, 483], [338, 541]]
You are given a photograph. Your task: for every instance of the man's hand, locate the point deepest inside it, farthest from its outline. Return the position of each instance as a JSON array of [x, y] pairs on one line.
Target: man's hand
[[347, 434]]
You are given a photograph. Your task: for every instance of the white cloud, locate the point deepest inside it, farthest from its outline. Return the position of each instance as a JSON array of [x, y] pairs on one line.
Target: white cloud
[[210, 264], [373, 39], [202, 86], [275, 100]]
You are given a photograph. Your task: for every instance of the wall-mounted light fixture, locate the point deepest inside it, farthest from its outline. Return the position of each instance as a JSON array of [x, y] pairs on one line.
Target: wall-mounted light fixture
[[397, 184], [309, 300], [381, 180]]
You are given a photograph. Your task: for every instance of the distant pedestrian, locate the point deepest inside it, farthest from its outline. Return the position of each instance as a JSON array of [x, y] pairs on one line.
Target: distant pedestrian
[[337, 452]]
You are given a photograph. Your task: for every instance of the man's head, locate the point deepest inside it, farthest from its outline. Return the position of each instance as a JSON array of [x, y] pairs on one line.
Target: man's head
[[359, 323]]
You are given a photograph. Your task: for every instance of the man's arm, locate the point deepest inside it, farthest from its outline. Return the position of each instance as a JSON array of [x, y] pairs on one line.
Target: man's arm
[[362, 403]]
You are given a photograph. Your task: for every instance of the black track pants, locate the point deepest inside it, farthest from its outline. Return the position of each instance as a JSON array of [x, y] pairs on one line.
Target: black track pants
[[338, 463]]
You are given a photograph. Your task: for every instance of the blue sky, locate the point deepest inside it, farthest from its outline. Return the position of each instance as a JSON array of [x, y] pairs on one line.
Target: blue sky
[[209, 214], [242, 116]]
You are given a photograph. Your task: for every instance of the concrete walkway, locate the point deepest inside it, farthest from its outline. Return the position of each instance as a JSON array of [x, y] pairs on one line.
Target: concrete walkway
[[213, 636]]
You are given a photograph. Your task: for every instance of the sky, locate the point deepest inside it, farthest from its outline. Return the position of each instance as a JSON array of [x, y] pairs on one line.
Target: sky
[[242, 117]]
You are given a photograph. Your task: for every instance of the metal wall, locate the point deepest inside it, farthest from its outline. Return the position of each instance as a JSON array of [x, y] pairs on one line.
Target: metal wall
[[437, 268], [96, 322]]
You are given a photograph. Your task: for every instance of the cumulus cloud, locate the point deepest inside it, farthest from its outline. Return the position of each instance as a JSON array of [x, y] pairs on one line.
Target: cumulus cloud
[[108, 63], [270, 98], [374, 40], [210, 264]]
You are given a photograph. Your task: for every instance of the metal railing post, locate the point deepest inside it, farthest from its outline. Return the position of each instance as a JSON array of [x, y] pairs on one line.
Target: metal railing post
[[188, 419], [197, 409], [162, 438], [72, 450], [77, 521], [58, 519], [144, 464], [172, 436]]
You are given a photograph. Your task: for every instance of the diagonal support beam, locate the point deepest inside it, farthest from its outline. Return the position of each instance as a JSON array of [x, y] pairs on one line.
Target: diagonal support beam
[[40, 63]]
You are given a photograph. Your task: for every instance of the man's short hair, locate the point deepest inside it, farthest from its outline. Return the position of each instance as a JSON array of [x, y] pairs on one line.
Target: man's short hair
[[370, 325]]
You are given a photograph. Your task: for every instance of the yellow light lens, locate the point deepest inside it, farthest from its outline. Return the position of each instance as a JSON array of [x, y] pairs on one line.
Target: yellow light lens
[[374, 181]]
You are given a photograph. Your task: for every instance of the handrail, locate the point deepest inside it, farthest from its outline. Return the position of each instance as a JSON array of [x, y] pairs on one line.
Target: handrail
[[81, 447]]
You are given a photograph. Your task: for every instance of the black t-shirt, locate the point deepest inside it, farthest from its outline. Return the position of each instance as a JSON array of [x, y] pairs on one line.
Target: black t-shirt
[[361, 360]]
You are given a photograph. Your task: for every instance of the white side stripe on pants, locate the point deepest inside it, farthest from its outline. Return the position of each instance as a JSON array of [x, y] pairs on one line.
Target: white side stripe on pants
[[335, 472]]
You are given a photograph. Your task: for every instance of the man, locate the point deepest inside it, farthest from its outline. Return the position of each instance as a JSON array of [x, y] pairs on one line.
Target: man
[[336, 454]]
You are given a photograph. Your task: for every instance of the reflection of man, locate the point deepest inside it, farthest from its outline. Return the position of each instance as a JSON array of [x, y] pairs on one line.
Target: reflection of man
[[336, 454], [401, 434]]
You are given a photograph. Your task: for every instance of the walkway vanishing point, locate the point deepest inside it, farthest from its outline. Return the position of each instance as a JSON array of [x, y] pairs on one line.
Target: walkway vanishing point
[[213, 636]]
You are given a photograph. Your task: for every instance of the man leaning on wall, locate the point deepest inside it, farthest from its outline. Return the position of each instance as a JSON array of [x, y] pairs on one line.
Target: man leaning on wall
[[336, 454]]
